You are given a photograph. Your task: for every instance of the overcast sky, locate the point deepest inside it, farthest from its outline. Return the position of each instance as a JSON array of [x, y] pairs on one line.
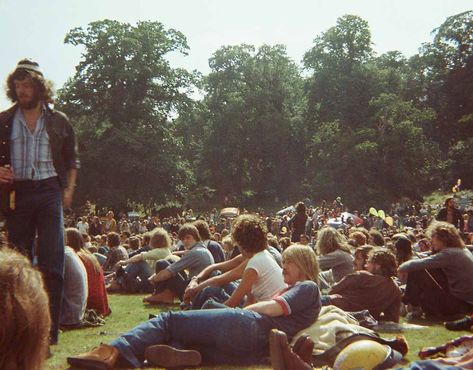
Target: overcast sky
[[36, 28]]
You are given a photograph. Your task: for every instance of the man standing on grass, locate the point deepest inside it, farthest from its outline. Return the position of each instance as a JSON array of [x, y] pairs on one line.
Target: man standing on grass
[[38, 169]]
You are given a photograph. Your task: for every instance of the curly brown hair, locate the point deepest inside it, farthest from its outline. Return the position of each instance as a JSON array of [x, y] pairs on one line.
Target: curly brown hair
[[385, 259], [447, 233], [43, 87], [249, 233]]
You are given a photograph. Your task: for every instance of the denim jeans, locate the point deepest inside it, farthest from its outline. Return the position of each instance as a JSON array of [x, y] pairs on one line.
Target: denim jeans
[[136, 277], [218, 294], [177, 283], [39, 211], [222, 336]]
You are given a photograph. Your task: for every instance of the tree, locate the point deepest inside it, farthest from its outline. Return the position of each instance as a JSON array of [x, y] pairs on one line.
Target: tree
[[340, 86], [124, 97], [255, 101], [447, 66]]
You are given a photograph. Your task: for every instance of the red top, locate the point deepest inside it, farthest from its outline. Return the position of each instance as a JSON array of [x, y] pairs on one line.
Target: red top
[[97, 299]]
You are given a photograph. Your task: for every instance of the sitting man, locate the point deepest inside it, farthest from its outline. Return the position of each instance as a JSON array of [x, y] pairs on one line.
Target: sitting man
[[373, 290], [170, 279], [441, 285]]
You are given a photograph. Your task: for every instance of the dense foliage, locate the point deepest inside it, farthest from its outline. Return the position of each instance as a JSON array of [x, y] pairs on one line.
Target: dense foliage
[[370, 128]]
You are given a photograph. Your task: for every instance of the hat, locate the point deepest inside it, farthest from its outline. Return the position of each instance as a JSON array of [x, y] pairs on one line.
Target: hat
[[29, 65]]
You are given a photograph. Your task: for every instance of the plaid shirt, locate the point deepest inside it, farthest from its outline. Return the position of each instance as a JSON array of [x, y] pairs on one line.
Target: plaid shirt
[[116, 254], [31, 152]]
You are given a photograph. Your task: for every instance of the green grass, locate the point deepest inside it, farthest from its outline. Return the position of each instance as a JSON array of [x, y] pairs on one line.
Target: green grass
[[128, 311]]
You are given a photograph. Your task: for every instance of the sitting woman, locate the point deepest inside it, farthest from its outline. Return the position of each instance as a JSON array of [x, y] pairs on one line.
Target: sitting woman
[[221, 336], [25, 314], [441, 284], [260, 274], [140, 267], [373, 290], [74, 297], [335, 253], [97, 299]]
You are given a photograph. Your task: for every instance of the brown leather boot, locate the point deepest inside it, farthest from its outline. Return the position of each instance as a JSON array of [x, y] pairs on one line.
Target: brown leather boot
[[282, 356], [166, 356], [102, 357], [304, 347]]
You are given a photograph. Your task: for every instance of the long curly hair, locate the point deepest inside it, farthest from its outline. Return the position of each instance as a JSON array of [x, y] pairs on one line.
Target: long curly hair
[[24, 332], [447, 233], [44, 87], [385, 259]]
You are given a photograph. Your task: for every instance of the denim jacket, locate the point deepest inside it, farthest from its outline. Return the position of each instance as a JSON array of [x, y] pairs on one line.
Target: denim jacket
[[61, 138]]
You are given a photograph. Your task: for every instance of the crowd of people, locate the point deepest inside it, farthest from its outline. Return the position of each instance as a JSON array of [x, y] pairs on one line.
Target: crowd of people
[[259, 272], [247, 285]]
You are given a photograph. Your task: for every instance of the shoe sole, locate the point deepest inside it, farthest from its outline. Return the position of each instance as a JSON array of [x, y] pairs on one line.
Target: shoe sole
[[87, 364], [166, 356], [277, 359]]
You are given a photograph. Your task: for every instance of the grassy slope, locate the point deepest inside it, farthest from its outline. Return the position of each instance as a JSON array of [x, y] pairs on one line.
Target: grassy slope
[[128, 311]]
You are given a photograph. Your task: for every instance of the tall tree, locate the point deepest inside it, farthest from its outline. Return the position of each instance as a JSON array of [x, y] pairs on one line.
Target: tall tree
[[255, 100], [340, 86], [124, 96]]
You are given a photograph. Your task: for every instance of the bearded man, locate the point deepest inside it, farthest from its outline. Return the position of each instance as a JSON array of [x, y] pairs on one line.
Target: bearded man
[[38, 169]]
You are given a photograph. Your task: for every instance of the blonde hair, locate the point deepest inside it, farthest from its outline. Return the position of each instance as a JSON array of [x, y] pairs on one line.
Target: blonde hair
[[447, 233], [159, 238], [24, 333], [305, 259], [329, 240]]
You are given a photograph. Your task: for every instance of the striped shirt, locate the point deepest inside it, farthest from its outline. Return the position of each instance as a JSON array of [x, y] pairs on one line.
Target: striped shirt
[[30, 152]]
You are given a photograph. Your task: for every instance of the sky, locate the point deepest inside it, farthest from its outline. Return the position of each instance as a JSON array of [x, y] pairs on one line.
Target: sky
[[36, 28]]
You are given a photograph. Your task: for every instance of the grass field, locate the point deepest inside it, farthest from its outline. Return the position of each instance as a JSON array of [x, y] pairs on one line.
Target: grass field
[[128, 311]]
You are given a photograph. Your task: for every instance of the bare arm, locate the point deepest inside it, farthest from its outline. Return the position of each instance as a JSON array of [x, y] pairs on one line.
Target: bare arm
[[270, 308], [71, 184], [134, 259], [222, 266], [249, 278], [193, 288]]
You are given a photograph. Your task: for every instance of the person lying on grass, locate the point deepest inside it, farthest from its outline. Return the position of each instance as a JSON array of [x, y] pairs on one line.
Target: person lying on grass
[[219, 336], [260, 274]]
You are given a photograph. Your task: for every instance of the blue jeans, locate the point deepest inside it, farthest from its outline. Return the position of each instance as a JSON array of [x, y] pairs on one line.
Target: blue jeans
[[218, 294], [177, 284], [222, 336], [137, 270], [39, 210]]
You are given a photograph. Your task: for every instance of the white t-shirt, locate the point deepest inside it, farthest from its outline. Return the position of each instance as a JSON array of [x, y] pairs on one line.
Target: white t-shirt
[[270, 280], [83, 227]]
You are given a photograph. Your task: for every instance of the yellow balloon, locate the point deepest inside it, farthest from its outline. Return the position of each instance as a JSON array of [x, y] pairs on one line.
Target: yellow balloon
[[381, 214], [373, 212], [389, 220]]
